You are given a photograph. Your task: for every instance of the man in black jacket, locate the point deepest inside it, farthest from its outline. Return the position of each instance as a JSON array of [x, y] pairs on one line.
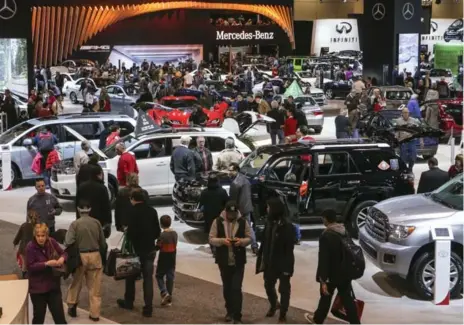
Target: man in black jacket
[[276, 128], [230, 234], [433, 178], [143, 230], [242, 104], [95, 192], [276, 258], [330, 271], [182, 163]]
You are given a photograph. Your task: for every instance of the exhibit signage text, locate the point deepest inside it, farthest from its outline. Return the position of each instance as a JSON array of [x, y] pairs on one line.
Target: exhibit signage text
[[244, 36]]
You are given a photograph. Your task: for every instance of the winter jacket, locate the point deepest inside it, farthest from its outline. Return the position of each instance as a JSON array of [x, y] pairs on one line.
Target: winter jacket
[[183, 163], [240, 192]]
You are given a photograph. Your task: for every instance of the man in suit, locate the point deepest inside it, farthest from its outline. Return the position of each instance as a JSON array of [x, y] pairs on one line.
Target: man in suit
[[433, 178]]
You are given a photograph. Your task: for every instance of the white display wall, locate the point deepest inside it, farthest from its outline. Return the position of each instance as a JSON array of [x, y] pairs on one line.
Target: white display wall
[[335, 34]]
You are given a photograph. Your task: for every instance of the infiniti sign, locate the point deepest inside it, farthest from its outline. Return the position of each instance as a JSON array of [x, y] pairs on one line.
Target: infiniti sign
[[343, 27], [243, 36]]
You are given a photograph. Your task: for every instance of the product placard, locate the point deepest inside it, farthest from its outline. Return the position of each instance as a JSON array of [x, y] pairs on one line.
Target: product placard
[[336, 35]]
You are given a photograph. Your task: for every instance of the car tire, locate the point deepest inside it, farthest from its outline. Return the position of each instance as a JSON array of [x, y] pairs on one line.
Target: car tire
[[418, 269], [73, 98], [329, 93], [360, 211]]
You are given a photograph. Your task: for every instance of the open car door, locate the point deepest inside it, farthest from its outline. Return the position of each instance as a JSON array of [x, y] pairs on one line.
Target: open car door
[[253, 124]]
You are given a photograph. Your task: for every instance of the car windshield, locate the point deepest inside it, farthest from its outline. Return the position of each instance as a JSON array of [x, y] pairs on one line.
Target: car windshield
[[14, 132], [398, 95], [450, 194], [457, 23], [110, 151], [252, 164], [180, 103], [304, 100]]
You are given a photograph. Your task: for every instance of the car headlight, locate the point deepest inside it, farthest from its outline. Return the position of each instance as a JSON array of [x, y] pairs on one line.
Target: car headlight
[[400, 231]]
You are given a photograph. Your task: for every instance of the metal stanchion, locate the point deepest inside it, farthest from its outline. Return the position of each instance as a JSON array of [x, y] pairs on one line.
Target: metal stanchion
[[3, 119], [451, 143]]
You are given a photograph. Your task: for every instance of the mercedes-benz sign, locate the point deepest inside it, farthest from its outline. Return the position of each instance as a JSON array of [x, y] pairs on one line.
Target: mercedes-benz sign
[[8, 9], [378, 11], [408, 11]]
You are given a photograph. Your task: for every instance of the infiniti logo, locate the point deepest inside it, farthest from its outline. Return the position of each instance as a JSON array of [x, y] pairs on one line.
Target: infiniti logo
[[378, 11], [343, 27], [8, 9], [408, 11], [443, 253], [433, 26]]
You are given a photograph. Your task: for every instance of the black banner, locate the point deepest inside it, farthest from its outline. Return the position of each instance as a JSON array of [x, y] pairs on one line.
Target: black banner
[[145, 124]]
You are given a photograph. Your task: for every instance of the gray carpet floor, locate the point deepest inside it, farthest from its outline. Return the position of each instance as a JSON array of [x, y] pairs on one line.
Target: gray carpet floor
[[195, 301]]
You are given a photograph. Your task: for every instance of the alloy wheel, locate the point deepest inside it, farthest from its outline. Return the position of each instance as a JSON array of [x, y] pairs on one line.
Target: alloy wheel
[[428, 275], [329, 93], [73, 97], [361, 218]]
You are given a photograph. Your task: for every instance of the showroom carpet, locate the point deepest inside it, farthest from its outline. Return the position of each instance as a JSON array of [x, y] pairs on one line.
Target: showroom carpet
[[195, 300]]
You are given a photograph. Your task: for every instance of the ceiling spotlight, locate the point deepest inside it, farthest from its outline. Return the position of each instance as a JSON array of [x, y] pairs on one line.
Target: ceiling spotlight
[[437, 2]]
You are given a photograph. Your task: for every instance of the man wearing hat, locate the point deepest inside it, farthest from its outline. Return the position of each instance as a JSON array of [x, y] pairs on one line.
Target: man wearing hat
[[231, 234], [183, 160]]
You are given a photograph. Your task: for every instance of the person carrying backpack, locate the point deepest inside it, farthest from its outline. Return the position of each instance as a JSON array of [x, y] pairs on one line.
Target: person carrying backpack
[[45, 142], [340, 262]]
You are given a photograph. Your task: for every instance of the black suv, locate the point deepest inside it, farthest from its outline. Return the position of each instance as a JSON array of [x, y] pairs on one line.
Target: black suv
[[347, 176]]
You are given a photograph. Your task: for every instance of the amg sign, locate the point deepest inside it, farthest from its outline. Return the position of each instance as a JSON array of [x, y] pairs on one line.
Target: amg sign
[[244, 36]]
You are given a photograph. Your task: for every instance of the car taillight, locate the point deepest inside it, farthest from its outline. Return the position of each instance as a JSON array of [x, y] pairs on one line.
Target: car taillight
[[317, 113]]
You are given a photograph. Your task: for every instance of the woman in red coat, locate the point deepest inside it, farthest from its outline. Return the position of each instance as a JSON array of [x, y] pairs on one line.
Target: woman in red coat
[[291, 125]]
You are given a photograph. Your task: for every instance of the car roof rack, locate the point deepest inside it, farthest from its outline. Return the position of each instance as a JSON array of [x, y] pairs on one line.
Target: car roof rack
[[172, 130]]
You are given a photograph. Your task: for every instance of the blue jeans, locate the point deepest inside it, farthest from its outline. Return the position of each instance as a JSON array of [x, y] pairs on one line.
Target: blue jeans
[[279, 134], [254, 244], [46, 177], [408, 153], [168, 285], [355, 134], [297, 231]]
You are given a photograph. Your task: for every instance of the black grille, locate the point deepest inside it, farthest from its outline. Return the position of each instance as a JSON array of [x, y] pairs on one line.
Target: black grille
[[54, 175], [377, 225], [369, 250]]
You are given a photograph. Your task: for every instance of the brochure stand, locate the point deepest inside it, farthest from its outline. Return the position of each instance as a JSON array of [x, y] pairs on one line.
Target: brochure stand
[[442, 237], [6, 169]]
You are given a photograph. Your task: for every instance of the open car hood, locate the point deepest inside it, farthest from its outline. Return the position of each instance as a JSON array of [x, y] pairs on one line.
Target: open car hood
[[416, 132], [81, 138]]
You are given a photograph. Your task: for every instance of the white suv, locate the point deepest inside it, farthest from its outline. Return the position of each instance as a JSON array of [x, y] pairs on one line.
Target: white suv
[[153, 153]]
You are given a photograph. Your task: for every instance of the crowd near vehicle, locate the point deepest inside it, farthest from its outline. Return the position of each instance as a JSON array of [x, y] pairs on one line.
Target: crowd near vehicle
[[437, 74], [349, 176], [153, 154], [121, 95], [19, 138], [397, 238], [71, 89], [450, 115], [71, 66], [383, 125]]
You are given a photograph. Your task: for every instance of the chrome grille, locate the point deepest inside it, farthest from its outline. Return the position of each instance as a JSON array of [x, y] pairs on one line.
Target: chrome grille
[[54, 175], [377, 224], [318, 95]]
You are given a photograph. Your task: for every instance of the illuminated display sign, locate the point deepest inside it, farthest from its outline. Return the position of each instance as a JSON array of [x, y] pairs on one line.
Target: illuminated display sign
[[243, 36]]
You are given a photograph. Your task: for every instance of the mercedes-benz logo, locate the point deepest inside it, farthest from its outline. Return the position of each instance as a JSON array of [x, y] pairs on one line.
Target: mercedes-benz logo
[[408, 11], [8, 9], [433, 26], [378, 11], [343, 27]]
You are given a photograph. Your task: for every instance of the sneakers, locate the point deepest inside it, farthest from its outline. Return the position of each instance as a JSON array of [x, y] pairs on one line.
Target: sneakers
[[124, 305], [166, 300], [94, 319], [271, 312], [309, 318], [72, 311]]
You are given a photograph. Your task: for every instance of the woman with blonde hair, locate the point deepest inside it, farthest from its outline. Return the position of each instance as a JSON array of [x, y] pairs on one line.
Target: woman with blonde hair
[[24, 235], [45, 260]]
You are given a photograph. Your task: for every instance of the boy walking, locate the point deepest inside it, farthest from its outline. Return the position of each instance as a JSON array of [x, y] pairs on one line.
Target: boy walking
[[167, 245]]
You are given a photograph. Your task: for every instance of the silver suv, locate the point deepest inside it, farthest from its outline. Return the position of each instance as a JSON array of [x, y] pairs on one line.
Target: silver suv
[[397, 237], [19, 138]]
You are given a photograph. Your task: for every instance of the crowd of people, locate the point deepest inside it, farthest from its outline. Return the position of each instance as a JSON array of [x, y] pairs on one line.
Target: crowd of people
[[240, 21]]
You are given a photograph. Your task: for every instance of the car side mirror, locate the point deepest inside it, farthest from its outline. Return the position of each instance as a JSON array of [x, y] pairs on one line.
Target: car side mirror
[[27, 142]]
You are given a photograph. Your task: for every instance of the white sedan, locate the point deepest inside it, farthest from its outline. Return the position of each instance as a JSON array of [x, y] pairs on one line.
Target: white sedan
[[71, 89]]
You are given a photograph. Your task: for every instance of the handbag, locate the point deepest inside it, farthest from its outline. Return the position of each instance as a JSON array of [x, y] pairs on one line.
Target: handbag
[[58, 271], [338, 310], [123, 263]]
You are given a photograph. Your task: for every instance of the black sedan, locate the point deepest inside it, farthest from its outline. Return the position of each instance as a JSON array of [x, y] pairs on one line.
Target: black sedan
[[337, 89]]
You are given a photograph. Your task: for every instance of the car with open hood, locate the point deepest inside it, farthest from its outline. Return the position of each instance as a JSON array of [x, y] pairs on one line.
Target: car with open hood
[[450, 115], [349, 176], [176, 110], [397, 236], [153, 154]]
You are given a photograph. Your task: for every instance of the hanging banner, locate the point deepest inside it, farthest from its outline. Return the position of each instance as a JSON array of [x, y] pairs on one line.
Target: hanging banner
[[442, 31], [336, 35]]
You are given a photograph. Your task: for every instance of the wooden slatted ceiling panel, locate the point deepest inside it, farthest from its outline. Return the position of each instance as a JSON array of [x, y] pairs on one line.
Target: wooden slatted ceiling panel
[[58, 31]]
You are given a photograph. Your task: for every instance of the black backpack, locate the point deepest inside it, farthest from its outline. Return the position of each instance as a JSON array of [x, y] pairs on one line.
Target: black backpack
[[353, 262]]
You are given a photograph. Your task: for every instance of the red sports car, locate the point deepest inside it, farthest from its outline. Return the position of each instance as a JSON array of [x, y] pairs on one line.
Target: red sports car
[[177, 111]]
